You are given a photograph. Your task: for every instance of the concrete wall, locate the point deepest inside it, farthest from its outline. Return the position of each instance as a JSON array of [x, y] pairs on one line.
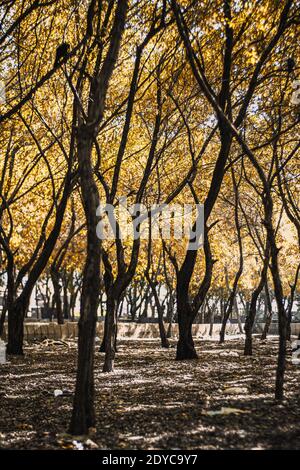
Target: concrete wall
[[127, 330], [36, 330]]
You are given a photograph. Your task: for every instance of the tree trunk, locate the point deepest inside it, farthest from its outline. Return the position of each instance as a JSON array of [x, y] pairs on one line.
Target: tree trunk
[[66, 308], [170, 315], [16, 315], [185, 346], [111, 333], [282, 326], [162, 331], [2, 318], [106, 330], [159, 308], [228, 309], [250, 322], [232, 297], [227, 312], [236, 308], [212, 317], [160, 313], [152, 307], [186, 311], [83, 416], [289, 320], [269, 313], [102, 347], [253, 304], [291, 302], [73, 297], [20, 305], [57, 296]]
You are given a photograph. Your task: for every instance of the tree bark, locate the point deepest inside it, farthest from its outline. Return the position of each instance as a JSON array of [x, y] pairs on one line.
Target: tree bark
[[57, 296], [187, 311], [160, 313], [2, 320], [111, 333], [253, 304], [83, 416], [232, 298], [16, 314], [105, 327], [185, 346], [269, 312], [211, 322]]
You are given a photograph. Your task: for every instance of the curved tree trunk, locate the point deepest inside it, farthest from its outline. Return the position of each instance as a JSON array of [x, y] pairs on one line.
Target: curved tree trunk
[[186, 312]]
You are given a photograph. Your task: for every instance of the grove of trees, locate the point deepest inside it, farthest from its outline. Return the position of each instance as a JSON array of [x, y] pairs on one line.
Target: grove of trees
[[161, 102]]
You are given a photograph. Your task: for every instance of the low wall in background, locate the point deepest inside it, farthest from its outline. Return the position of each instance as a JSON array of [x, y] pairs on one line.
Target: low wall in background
[[51, 330]]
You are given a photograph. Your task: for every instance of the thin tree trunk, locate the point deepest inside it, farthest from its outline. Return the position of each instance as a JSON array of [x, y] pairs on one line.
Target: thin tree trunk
[[211, 325], [66, 307], [162, 330], [102, 347], [232, 298], [57, 296], [2, 318], [290, 303], [111, 333], [170, 315], [269, 312], [253, 305], [278, 292], [83, 416]]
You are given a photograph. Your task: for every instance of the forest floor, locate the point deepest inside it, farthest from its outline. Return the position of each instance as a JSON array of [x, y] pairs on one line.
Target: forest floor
[[221, 401]]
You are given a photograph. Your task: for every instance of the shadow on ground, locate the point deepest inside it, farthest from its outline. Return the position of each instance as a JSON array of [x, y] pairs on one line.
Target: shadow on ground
[[152, 401]]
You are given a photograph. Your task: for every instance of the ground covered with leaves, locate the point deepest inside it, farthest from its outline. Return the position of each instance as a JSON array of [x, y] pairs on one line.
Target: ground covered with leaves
[[224, 400]]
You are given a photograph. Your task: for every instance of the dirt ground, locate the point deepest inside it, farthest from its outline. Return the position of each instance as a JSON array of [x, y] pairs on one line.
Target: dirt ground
[[221, 401]]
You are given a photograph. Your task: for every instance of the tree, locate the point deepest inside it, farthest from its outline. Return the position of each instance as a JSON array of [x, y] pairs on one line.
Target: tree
[[88, 123]]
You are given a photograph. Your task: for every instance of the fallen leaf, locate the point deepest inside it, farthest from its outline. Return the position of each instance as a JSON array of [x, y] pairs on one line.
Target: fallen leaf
[[224, 411], [235, 390]]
